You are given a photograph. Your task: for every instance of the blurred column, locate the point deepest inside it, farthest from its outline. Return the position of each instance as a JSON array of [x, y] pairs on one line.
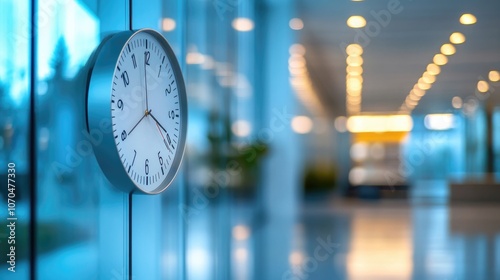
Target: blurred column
[[281, 175]]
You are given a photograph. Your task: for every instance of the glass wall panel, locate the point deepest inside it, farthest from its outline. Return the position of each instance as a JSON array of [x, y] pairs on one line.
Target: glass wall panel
[[15, 75], [82, 219]]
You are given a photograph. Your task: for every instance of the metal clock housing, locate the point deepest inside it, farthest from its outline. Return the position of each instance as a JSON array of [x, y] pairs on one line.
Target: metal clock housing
[[103, 89]]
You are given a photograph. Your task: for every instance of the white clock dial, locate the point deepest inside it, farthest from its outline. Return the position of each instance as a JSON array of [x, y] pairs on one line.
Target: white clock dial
[[146, 112]]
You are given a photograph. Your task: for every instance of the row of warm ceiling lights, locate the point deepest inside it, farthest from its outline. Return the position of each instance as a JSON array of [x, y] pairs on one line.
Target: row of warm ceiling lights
[[354, 78], [300, 80], [434, 69]]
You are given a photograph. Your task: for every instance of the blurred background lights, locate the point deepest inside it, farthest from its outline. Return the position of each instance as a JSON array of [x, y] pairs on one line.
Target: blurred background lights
[[341, 124], [296, 24], [356, 22], [428, 78], [433, 69], [440, 59], [357, 175], [297, 49], [241, 128], [302, 124], [448, 49], [456, 102], [243, 24], [296, 258], [168, 24], [354, 50], [457, 38], [359, 151], [195, 58], [241, 232], [439, 121], [483, 86], [468, 19], [494, 76], [354, 60]]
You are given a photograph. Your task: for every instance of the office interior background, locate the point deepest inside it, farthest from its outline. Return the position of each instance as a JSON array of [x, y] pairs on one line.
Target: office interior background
[[326, 140]]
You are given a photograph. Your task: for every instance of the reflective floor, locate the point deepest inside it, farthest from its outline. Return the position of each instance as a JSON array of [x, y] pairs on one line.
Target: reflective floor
[[342, 239]]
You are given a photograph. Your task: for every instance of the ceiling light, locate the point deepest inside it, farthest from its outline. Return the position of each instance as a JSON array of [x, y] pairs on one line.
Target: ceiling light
[[354, 50], [167, 24], [353, 93], [494, 76], [423, 85], [302, 124], [297, 61], [468, 19], [356, 22], [440, 59], [243, 24], [241, 128], [433, 69], [354, 60], [297, 49], [483, 86], [428, 78], [340, 124], [456, 102], [296, 24], [457, 38], [448, 49], [439, 121], [417, 91], [354, 70], [380, 123], [195, 58]]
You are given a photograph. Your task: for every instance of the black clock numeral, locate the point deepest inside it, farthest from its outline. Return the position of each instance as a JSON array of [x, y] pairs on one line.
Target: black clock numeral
[[120, 104], [135, 154], [160, 159], [159, 71], [146, 167], [146, 57], [125, 78], [168, 90], [134, 61], [124, 135], [171, 114]]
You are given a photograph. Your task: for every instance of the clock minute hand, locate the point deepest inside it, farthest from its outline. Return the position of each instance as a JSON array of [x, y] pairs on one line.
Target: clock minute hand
[[157, 121], [146, 82]]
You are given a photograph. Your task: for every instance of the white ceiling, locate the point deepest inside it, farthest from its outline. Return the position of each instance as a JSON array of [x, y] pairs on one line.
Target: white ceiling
[[395, 59]]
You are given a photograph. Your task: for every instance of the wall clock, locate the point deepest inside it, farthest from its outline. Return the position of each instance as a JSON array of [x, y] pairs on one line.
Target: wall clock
[[136, 85]]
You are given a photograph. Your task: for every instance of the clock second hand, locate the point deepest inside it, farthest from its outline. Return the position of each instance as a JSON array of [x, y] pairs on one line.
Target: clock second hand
[[164, 141], [158, 125]]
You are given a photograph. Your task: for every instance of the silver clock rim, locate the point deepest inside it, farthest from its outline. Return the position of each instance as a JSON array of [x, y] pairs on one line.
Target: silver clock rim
[[99, 110]]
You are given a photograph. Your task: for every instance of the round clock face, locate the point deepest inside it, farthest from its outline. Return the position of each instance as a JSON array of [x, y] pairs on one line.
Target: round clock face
[[148, 113]]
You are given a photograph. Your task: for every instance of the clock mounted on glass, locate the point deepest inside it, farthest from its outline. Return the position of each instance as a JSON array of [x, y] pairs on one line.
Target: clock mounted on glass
[[136, 84]]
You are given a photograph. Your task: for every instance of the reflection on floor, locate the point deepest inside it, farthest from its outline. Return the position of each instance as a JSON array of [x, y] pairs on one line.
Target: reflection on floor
[[393, 240]]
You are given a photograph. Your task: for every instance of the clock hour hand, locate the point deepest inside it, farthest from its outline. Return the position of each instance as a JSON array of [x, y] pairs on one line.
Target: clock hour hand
[[145, 114]]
